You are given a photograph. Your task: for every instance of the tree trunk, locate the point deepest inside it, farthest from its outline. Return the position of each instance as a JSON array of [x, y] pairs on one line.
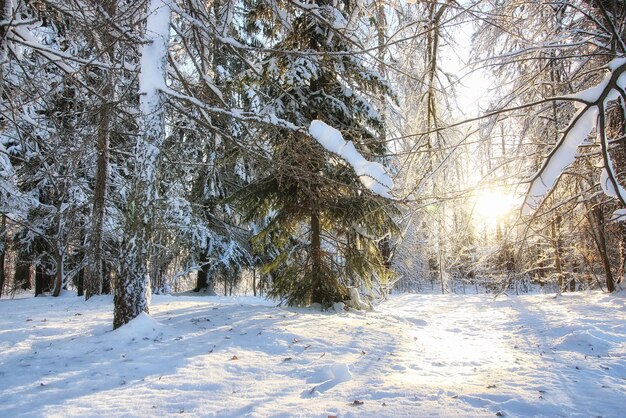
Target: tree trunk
[[317, 295], [254, 281], [43, 280], [94, 276], [558, 257], [381, 30], [79, 282], [132, 287], [622, 251], [3, 247], [610, 284], [106, 274], [2, 276], [39, 279], [58, 279], [203, 281], [600, 239], [22, 276]]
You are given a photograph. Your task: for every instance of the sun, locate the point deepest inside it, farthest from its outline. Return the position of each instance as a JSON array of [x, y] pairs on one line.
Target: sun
[[491, 205]]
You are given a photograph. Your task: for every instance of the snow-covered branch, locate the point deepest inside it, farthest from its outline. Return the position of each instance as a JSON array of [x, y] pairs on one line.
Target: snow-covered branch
[[589, 116], [371, 174]]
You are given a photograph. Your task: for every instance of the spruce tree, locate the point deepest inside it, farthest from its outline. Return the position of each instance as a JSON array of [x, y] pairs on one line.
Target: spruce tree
[[320, 227]]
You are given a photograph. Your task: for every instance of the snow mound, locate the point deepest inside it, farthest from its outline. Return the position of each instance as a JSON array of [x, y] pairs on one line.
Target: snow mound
[[339, 307], [144, 327], [337, 372], [586, 342]]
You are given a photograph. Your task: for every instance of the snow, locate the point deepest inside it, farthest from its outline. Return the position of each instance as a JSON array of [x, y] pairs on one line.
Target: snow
[[23, 35], [607, 185], [231, 41], [619, 215], [616, 63], [583, 122], [371, 174], [414, 355], [153, 56], [562, 157]]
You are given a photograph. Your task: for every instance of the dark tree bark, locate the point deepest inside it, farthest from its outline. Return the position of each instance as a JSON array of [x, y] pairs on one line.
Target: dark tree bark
[[600, 240], [316, 259], [58, 277], [79, 282], [22, 276], [254, 282], [107, 274], [202, 278], [43, 281], [94, 277], [3, 246]]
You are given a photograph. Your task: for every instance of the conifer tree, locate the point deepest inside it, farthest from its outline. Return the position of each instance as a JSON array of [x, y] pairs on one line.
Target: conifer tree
[[319, 224]]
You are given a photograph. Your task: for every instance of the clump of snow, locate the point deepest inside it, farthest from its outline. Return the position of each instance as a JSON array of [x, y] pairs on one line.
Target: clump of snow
[[619, 215], [371, 174], [341, 372], [339, 307], [355, 300], [337, 372], [607, 185]]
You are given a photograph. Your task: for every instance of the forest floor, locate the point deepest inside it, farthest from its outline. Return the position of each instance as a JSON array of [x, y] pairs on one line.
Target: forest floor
[[413, 356]]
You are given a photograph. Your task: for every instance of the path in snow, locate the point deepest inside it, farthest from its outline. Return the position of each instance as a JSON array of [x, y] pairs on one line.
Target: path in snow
[[416, 355]]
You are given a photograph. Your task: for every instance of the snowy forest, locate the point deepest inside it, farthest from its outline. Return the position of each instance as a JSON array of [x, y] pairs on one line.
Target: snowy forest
[[312, 154], [311, 150]]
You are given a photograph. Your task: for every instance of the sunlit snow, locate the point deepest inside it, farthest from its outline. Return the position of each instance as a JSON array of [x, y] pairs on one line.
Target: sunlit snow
[[415, 355]]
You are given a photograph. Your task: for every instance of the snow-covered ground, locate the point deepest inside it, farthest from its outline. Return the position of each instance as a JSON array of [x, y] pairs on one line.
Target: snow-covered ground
[[414, 356]]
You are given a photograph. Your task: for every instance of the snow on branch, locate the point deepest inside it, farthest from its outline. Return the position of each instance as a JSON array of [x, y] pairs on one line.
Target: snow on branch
[[591, 114], [371, 174]]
